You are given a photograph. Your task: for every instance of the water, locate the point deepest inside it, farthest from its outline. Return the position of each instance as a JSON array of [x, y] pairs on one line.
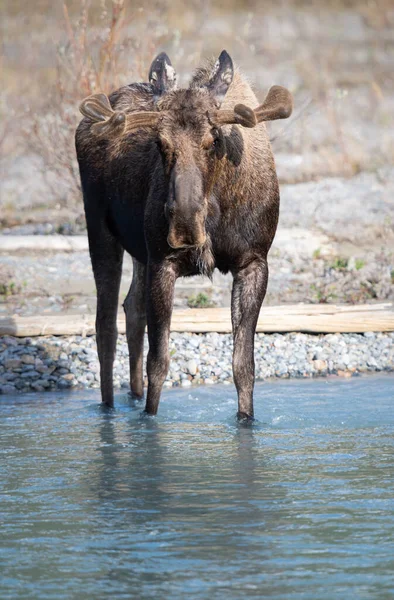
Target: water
[[190, 504]]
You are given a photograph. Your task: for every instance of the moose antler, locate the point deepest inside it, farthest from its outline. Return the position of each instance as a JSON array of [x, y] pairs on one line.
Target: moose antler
[[107, 121], [277, 105], [239, 115]]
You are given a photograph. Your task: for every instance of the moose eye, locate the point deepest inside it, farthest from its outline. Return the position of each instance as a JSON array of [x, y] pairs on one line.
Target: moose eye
[[160, 145], [169, 211], [164, 146], [218, 145]]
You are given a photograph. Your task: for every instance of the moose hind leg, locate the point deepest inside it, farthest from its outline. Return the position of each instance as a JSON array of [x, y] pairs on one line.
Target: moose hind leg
[[107, 256], [248, 293], [134, 307]]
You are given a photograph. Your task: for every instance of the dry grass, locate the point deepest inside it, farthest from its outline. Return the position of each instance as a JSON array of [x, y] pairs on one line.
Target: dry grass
[[64, 51], [89, 59]]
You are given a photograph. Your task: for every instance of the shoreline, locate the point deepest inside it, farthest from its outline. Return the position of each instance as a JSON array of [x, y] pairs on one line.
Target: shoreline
[[51, 363]]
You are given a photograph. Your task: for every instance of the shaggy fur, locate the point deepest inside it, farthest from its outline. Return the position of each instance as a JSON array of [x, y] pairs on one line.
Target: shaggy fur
[[183, 196]]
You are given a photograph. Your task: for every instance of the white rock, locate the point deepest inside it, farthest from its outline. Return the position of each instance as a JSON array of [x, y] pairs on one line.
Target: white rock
[[191, 367]]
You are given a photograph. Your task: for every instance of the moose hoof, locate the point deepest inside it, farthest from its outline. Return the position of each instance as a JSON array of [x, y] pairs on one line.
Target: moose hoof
[[244, 418], [134, 396], [107, 406], [146, 414]]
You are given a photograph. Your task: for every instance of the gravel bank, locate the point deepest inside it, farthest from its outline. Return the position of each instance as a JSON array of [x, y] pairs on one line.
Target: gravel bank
[[48, 363]]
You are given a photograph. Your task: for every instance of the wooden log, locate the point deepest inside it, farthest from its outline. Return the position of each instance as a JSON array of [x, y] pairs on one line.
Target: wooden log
[[43, 243], [309, 318]]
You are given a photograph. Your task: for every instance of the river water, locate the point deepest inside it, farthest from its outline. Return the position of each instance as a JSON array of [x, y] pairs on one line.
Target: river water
[[190, 504]]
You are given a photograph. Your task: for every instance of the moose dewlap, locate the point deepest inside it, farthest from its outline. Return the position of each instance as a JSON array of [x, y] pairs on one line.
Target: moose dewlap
[[184, 180]]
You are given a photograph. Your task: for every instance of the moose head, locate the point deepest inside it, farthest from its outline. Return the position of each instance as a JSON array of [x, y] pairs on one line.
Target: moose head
[[187, 125]]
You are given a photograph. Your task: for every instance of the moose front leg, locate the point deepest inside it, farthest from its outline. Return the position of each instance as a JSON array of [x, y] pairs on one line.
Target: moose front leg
[[249, 287], [134, 307], [160, 296]]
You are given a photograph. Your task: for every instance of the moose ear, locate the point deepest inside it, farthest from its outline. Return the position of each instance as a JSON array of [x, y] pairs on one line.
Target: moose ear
[[221, 76], [162, 75]]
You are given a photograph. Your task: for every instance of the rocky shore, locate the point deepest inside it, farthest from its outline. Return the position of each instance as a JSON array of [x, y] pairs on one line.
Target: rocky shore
[[49, 363]]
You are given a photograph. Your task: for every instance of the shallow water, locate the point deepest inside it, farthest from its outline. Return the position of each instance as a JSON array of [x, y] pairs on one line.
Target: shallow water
[[190, 504]]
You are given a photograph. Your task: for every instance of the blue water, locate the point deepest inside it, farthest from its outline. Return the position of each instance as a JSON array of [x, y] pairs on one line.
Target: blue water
[[190, 504]]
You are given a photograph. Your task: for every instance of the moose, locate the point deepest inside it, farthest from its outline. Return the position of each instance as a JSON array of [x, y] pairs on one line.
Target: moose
[[184, 180]]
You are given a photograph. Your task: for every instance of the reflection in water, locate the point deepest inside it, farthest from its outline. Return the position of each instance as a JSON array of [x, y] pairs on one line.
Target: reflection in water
[[178, 495], [192, 504]]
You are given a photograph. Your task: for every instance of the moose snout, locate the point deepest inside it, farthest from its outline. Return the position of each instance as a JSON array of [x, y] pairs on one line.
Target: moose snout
[[185, 210], [186, 229], [178, 241]]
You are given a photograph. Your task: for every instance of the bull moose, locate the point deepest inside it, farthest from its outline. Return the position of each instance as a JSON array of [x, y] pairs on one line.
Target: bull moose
[[184, 180]]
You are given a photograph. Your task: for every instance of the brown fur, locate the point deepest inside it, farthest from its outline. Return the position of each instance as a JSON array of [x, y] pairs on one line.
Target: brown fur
[[182, 196]]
